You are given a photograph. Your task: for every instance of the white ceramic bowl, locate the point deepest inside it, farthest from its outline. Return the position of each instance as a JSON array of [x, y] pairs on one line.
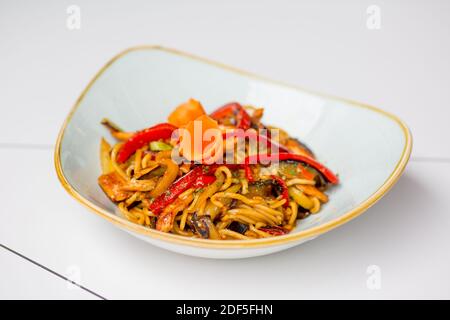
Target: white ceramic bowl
[[367, 147]]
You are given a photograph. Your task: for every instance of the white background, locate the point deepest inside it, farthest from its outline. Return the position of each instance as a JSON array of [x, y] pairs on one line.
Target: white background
[[403, 67]]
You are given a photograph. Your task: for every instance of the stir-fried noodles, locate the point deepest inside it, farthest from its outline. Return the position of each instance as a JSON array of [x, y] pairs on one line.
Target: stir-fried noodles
[[220, 176]]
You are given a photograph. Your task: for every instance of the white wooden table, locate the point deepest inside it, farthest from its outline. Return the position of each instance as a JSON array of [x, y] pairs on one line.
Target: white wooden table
[[404, 67]]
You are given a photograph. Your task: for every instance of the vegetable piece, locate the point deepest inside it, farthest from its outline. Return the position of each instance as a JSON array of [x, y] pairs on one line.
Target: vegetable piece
[[289, 169], [167, 179], [312, 191], [141, 138], [327, 173], [233, 109], [248, 173], [159, 146], [260, 188], [122, 136], [105, 156], [203, 181], [305, 173], [160, 155], [186, 112], [284, 189], [204, 227], [244, 120], [177, 188], [110, 125], [115, 130], [275, 230], [300, 198], [194, 143], [158, 172], [238, 227]]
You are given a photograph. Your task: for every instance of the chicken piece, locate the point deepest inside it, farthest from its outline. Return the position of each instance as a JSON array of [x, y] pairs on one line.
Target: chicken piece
[[167, 218], [112, 184]]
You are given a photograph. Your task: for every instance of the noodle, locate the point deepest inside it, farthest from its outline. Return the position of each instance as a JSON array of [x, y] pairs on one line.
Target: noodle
[[275, 219], [244, 184], [137, 162], [235, 196], [228, 175], [114, 163], [294, 212], [133, 198], [145, 160], [239, 218], [184, 218], [278, 204], [187, 193], [210, 190], [179, 231], [268, 210], [259, 232], [233, 234], [316, 206], [253, 214], [300, 181]]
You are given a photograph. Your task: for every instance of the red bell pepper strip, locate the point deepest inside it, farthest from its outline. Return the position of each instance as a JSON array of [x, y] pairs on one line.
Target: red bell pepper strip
[[203, 181], [243, 120], [284, 189], [275, 230], [327, 173], [194, 178], [141, 138], [248, 173]]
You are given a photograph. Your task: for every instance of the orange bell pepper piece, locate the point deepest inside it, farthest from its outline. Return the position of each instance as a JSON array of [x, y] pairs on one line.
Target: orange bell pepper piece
[[186, 112], [201, 140]]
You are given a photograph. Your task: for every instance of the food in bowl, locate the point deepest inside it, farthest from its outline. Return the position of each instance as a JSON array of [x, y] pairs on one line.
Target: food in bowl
[[222, 176]]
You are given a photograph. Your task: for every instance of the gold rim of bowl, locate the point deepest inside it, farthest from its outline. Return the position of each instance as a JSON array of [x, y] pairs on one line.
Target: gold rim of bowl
[[230, 244]]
